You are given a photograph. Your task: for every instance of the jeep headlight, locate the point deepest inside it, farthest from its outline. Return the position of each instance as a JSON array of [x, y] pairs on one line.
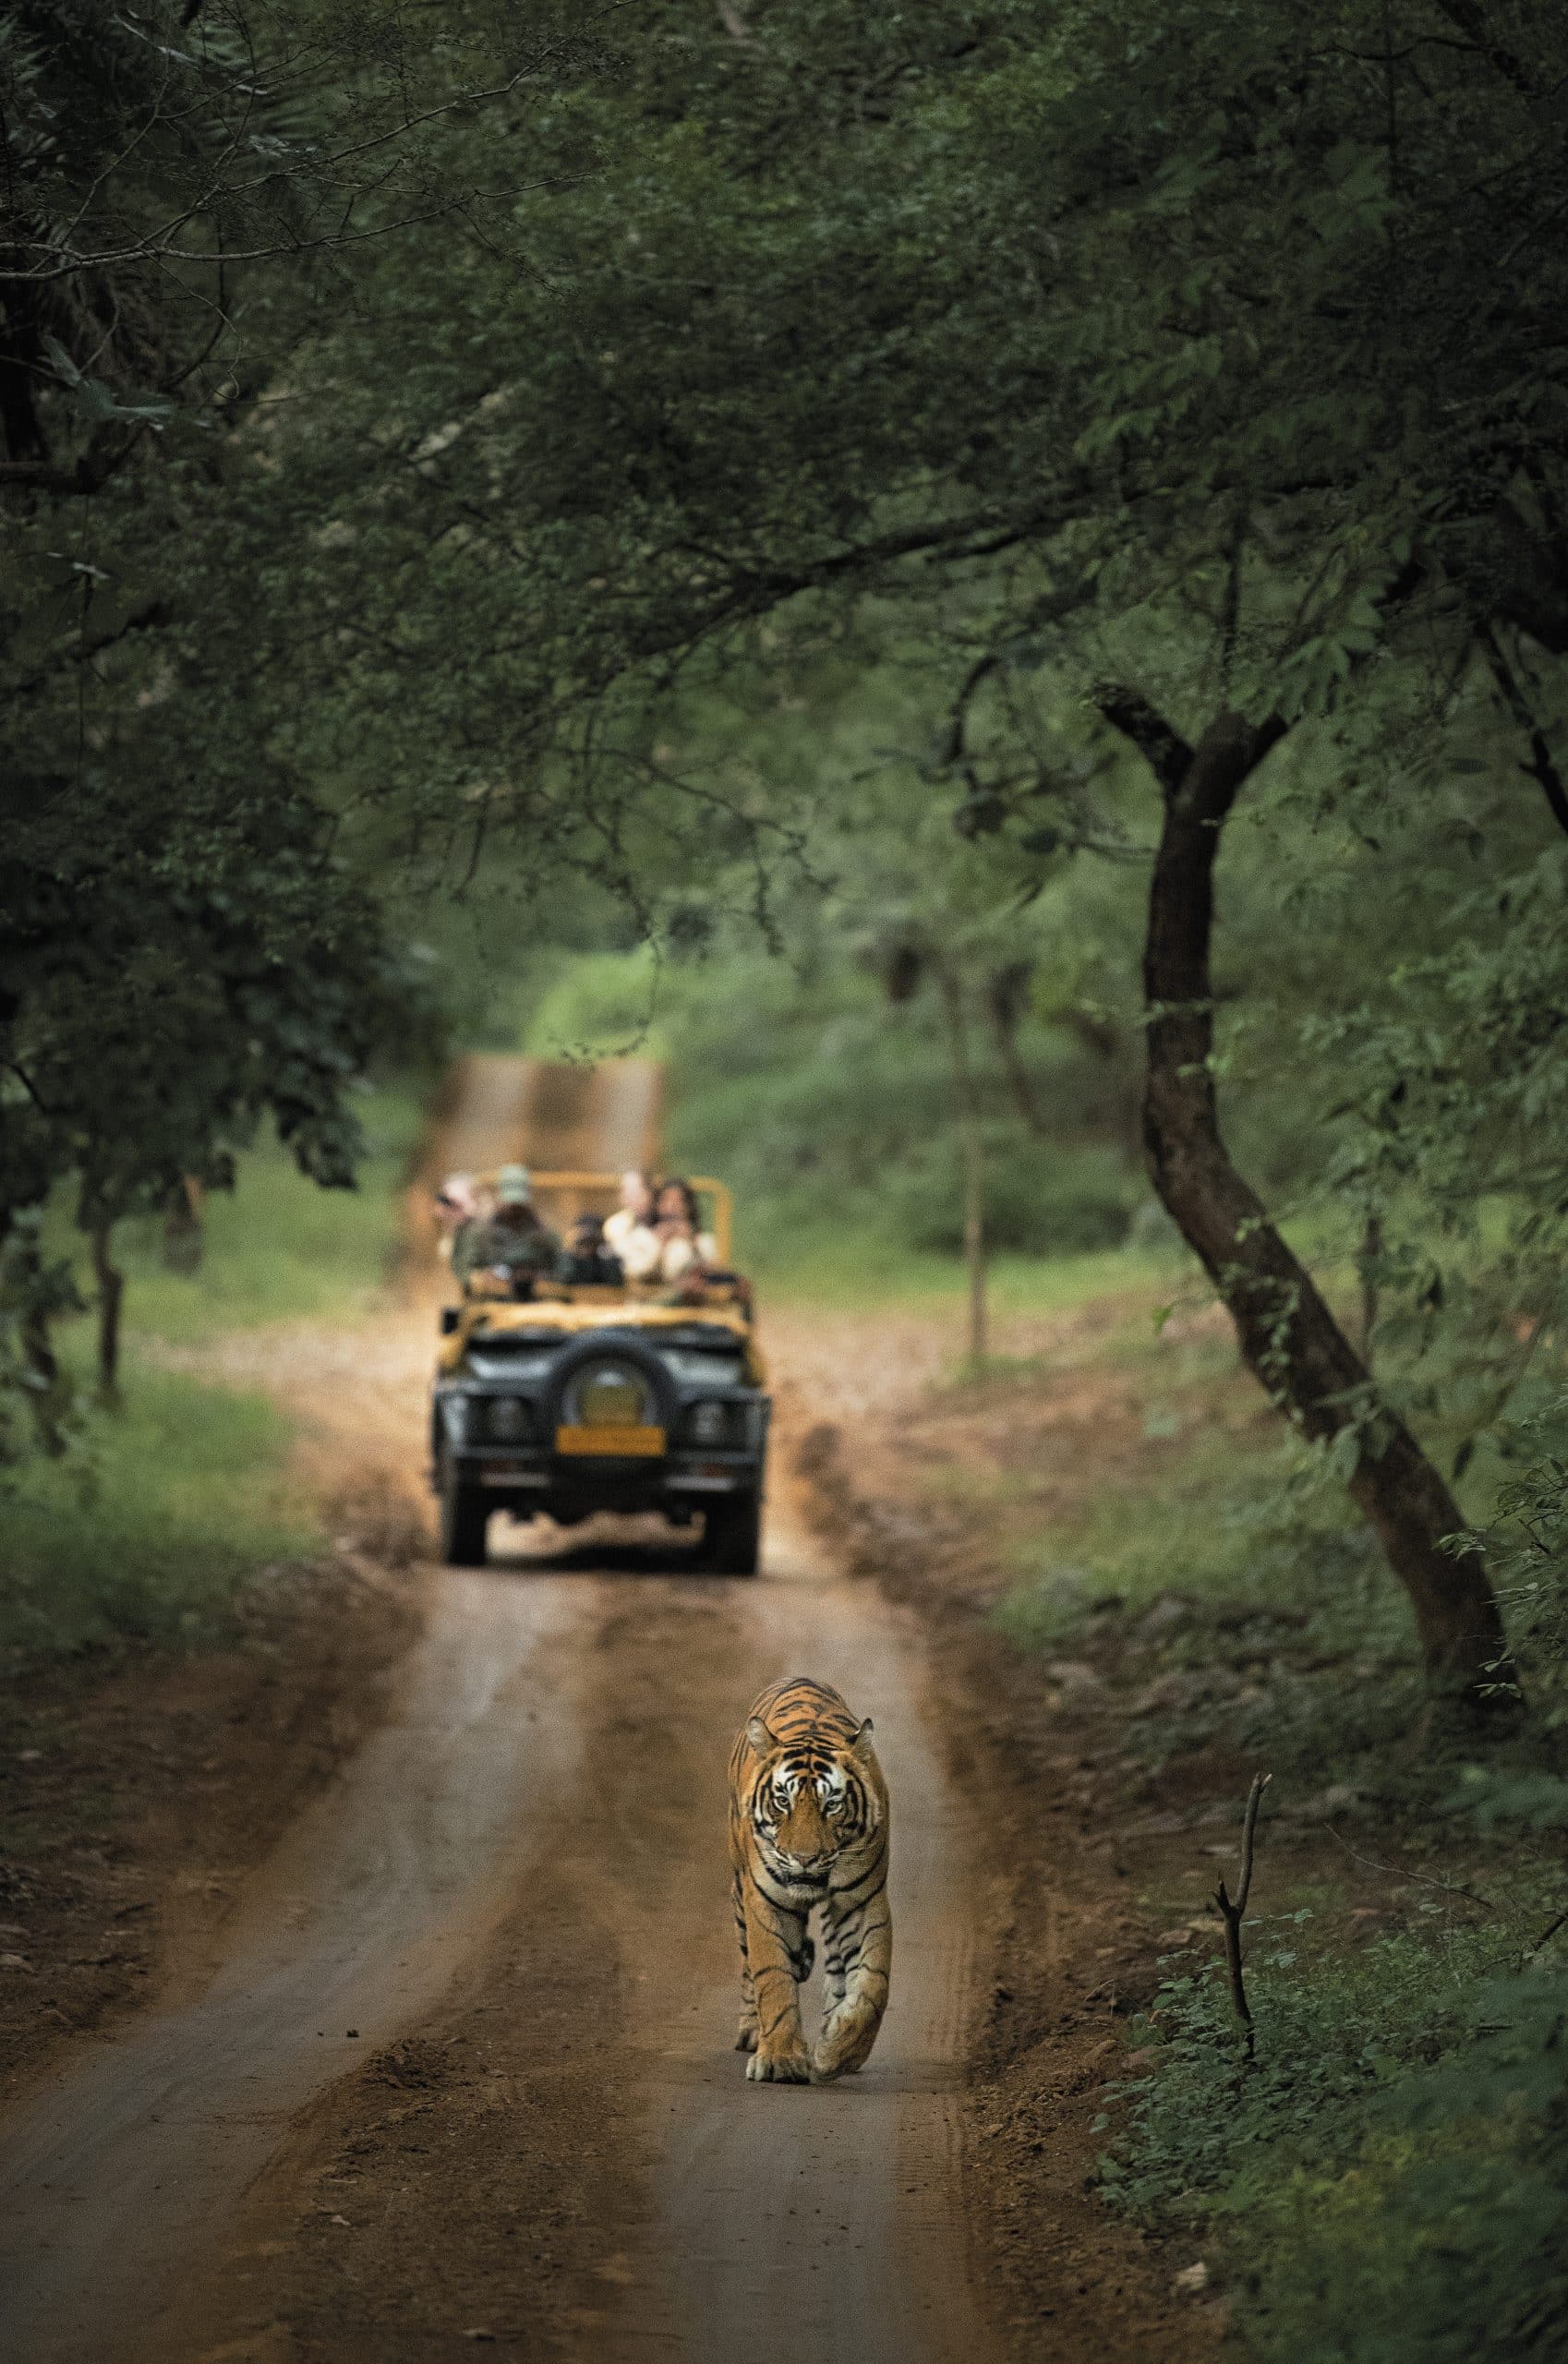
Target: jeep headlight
[[729, 1425], [506, 1419]]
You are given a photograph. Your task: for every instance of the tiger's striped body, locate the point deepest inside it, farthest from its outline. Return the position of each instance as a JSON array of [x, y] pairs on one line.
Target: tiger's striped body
[[808, 1831]]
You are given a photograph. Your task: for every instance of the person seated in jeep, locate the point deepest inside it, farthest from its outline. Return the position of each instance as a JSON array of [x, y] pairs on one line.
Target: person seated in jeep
[[629, 1233], [455, 1203], [684, 1245], [586, 1262], [510, 1249]]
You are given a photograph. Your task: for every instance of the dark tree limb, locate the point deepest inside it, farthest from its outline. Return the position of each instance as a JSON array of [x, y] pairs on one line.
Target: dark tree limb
[[1534, 597], [1289, 1337], [110, 1295], [1540, 768], [84, 477], [1168, 754], [1232, 1911], [184, 1240], [1470, 16]]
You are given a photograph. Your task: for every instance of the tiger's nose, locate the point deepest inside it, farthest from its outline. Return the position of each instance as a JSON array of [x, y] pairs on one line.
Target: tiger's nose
[[810, 1862]]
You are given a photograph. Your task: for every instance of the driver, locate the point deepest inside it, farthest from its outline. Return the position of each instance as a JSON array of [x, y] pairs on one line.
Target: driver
[[511, 1247]]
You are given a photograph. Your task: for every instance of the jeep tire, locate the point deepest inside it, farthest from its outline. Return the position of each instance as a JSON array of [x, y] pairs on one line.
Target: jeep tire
[[732, 1546], [465, 1517]]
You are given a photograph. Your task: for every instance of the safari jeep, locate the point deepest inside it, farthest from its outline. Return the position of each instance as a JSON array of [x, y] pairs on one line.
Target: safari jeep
[[585, 1399]]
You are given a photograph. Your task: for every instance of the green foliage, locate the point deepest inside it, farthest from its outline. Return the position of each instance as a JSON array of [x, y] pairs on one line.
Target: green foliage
[[158, 1514], [1447, 2239], [1528, 1539], [1388, 2182], [1066, 1199], [186, 948], [1333, 2027], [151, 1525], [276, 1249], [831, 1110]]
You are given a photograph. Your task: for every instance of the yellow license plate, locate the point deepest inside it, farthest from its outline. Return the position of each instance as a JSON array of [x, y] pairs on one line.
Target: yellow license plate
[[626, 1443]]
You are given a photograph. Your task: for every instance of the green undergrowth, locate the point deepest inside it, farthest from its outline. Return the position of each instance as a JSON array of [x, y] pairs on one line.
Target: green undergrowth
[[1241, 1603], [276, 1247], [151, 1523], [1218, 1572], [1388, 2182], [851, 1269], [162, 1510]]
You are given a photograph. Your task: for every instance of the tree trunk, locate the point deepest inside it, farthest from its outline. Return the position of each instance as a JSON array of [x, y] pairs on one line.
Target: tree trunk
[[184, 1241], [110, 1295], [1289, 1338], [974, 1242], [1005, 992], [48, 1387], [975, 1167]]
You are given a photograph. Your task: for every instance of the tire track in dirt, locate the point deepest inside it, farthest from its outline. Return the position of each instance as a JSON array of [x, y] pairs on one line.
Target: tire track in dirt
[[689, 2213], [127, 2162], [532, 1844]]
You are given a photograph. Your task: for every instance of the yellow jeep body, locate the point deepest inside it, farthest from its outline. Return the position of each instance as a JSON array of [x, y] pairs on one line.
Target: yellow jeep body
[[583, 1398]]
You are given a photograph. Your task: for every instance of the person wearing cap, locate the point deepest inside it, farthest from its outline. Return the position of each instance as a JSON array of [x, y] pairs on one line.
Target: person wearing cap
[[455, 1203], [511, 1246]]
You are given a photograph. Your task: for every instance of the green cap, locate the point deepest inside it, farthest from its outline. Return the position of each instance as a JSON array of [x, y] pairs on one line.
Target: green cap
[[513, 1186]]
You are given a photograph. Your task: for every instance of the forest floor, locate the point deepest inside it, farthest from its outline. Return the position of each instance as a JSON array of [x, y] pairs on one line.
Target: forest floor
[[421, 1883], [490, 2168]]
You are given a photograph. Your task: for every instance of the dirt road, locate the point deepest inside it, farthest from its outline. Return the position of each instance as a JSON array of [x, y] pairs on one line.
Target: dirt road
[[530, 1847]]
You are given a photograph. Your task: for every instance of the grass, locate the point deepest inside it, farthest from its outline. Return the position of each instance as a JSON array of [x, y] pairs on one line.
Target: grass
[[277, 1248], [150, 1526], [1389, 2183], [854, 1269], [163, 1510]]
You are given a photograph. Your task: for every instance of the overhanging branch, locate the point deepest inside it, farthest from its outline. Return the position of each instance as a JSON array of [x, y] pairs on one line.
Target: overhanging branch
[[1157, 741]]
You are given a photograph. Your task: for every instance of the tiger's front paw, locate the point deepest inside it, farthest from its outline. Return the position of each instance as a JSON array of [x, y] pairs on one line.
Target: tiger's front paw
[[746, 2041], [845, 2047], [793, 2068]]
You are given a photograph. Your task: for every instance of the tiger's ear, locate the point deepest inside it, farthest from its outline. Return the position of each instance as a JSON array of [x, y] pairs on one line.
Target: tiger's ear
[[863, 1734], [761, 1739]]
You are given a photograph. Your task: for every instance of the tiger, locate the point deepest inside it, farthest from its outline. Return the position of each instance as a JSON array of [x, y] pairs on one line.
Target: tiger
[[808, 1827]]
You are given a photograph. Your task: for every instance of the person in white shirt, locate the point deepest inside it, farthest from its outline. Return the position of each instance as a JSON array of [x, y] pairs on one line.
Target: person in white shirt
[[629, 1233]]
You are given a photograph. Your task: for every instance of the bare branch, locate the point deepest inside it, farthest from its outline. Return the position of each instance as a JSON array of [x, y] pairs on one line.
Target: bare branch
[[1540, 767], [1394, 1871], [1231, 1912]]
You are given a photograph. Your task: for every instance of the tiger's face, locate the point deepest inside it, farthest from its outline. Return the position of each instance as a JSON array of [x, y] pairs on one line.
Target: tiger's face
[[809, 1805]]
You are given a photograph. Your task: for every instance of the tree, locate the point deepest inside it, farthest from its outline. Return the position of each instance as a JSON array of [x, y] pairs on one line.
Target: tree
[[1199, 364], [170, 973], [182, 951]]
